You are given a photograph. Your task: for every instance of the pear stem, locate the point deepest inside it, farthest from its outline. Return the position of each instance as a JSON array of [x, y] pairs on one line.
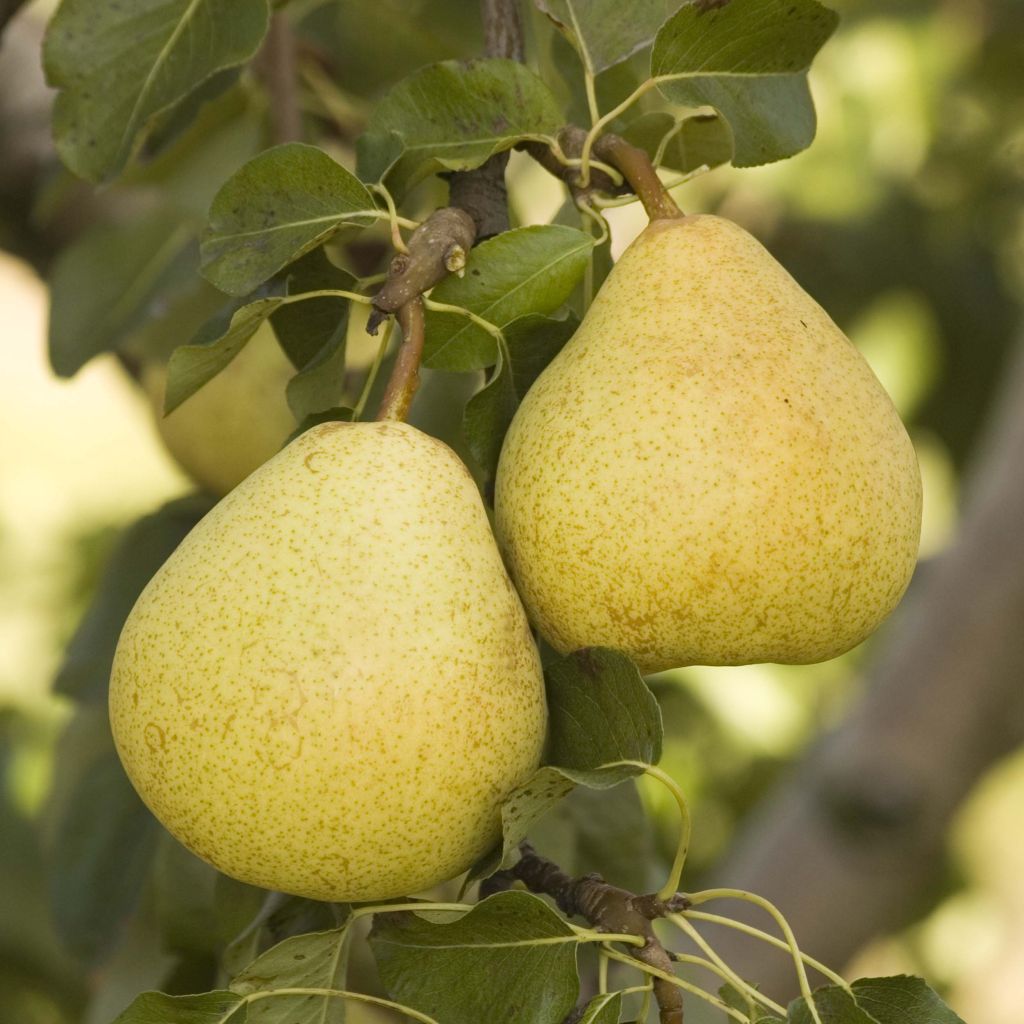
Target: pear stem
[[405, 374], [639, 172]]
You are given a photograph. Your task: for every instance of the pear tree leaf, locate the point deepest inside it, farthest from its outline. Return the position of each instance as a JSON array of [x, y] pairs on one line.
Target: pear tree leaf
[[158, 1008], [603, 1009], [192, 365], [84, 673], [601, 713], [316, 960], [511, 958], [104, 840], [274, 209], [453, 116], [522, 271], [109, 282], [897, 1000], [605, 32], [531, 341], [118, 66], [685, 143], [749, 61]]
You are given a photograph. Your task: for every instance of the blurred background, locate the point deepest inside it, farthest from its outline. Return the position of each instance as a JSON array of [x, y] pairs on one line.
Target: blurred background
[[878, 798]]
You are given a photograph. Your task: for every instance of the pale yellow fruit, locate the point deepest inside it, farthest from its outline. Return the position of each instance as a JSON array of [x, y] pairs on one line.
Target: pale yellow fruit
[[709, 472], [233, 423], [330, 686]]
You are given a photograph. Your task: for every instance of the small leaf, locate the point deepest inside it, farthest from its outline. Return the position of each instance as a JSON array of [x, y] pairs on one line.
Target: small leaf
[[532, 342], [144, 547], [526, 270], [693, 141], [603, 1009], [897, 1000], [510, 959], [606, 32], [600, 712], [749, 61], [112, 279], [158, 1008], [280, 205], [452, 116], [315, 960], [191, 366], [118, 66]]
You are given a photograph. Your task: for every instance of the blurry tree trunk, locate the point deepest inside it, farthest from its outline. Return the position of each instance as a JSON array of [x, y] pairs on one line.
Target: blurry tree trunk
[[852, 843]]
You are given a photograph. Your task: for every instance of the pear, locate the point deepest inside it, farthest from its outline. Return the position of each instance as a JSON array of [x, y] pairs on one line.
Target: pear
[[709, 472], [235, 422], [331, 685]]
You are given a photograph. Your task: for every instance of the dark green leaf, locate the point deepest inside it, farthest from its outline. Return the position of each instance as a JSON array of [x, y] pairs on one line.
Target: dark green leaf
[[452, 116], [748, 60], [104, 843], [112, 279], [145, 546], [600, 712], [282, 204], [157, 1008], [605, 32], [191, 366], [305, 961], [523, 271], [603, 1009], [897, 1000], [508, 960], [119, 65], [689, 142], [532, 342]]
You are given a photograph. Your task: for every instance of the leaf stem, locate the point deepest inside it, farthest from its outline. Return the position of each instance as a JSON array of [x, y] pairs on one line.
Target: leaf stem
[[364, 393], [443, 307], [750, 897], [678, 982], [757, 933]]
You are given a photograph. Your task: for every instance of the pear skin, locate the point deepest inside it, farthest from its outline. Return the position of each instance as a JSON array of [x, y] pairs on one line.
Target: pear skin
[[331, 686], [709, 472], [235, 422]]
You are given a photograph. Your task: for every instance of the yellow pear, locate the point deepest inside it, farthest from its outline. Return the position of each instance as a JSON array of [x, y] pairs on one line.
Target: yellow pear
[[330, 687], [232, 424], [709, 472]]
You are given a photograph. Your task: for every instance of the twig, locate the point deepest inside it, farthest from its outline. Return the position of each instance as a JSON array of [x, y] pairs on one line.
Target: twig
[[609, 909], [405, 374], [638, 170], [278, 70]]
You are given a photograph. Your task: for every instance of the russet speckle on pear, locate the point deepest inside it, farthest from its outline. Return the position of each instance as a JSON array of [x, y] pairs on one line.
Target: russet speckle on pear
[[330, 687], [709, 472]]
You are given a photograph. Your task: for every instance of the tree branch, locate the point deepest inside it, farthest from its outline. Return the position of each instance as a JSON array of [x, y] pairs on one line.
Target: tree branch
[[278, 71], [857, 834], [405, 374], [610, 909]]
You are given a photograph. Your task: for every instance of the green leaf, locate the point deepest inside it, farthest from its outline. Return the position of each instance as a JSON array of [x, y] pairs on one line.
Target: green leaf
[[532, 342], [119, 65], [158, 1008], [275, 208], [510, 959], [315, 960], [104, 841], [191, 366], [144, 547], [108, 283], [606, 32], [689, 142], [600, 712], [603, 1009], [526, 270], [898, 1000], [452, 116], [748, 60]]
